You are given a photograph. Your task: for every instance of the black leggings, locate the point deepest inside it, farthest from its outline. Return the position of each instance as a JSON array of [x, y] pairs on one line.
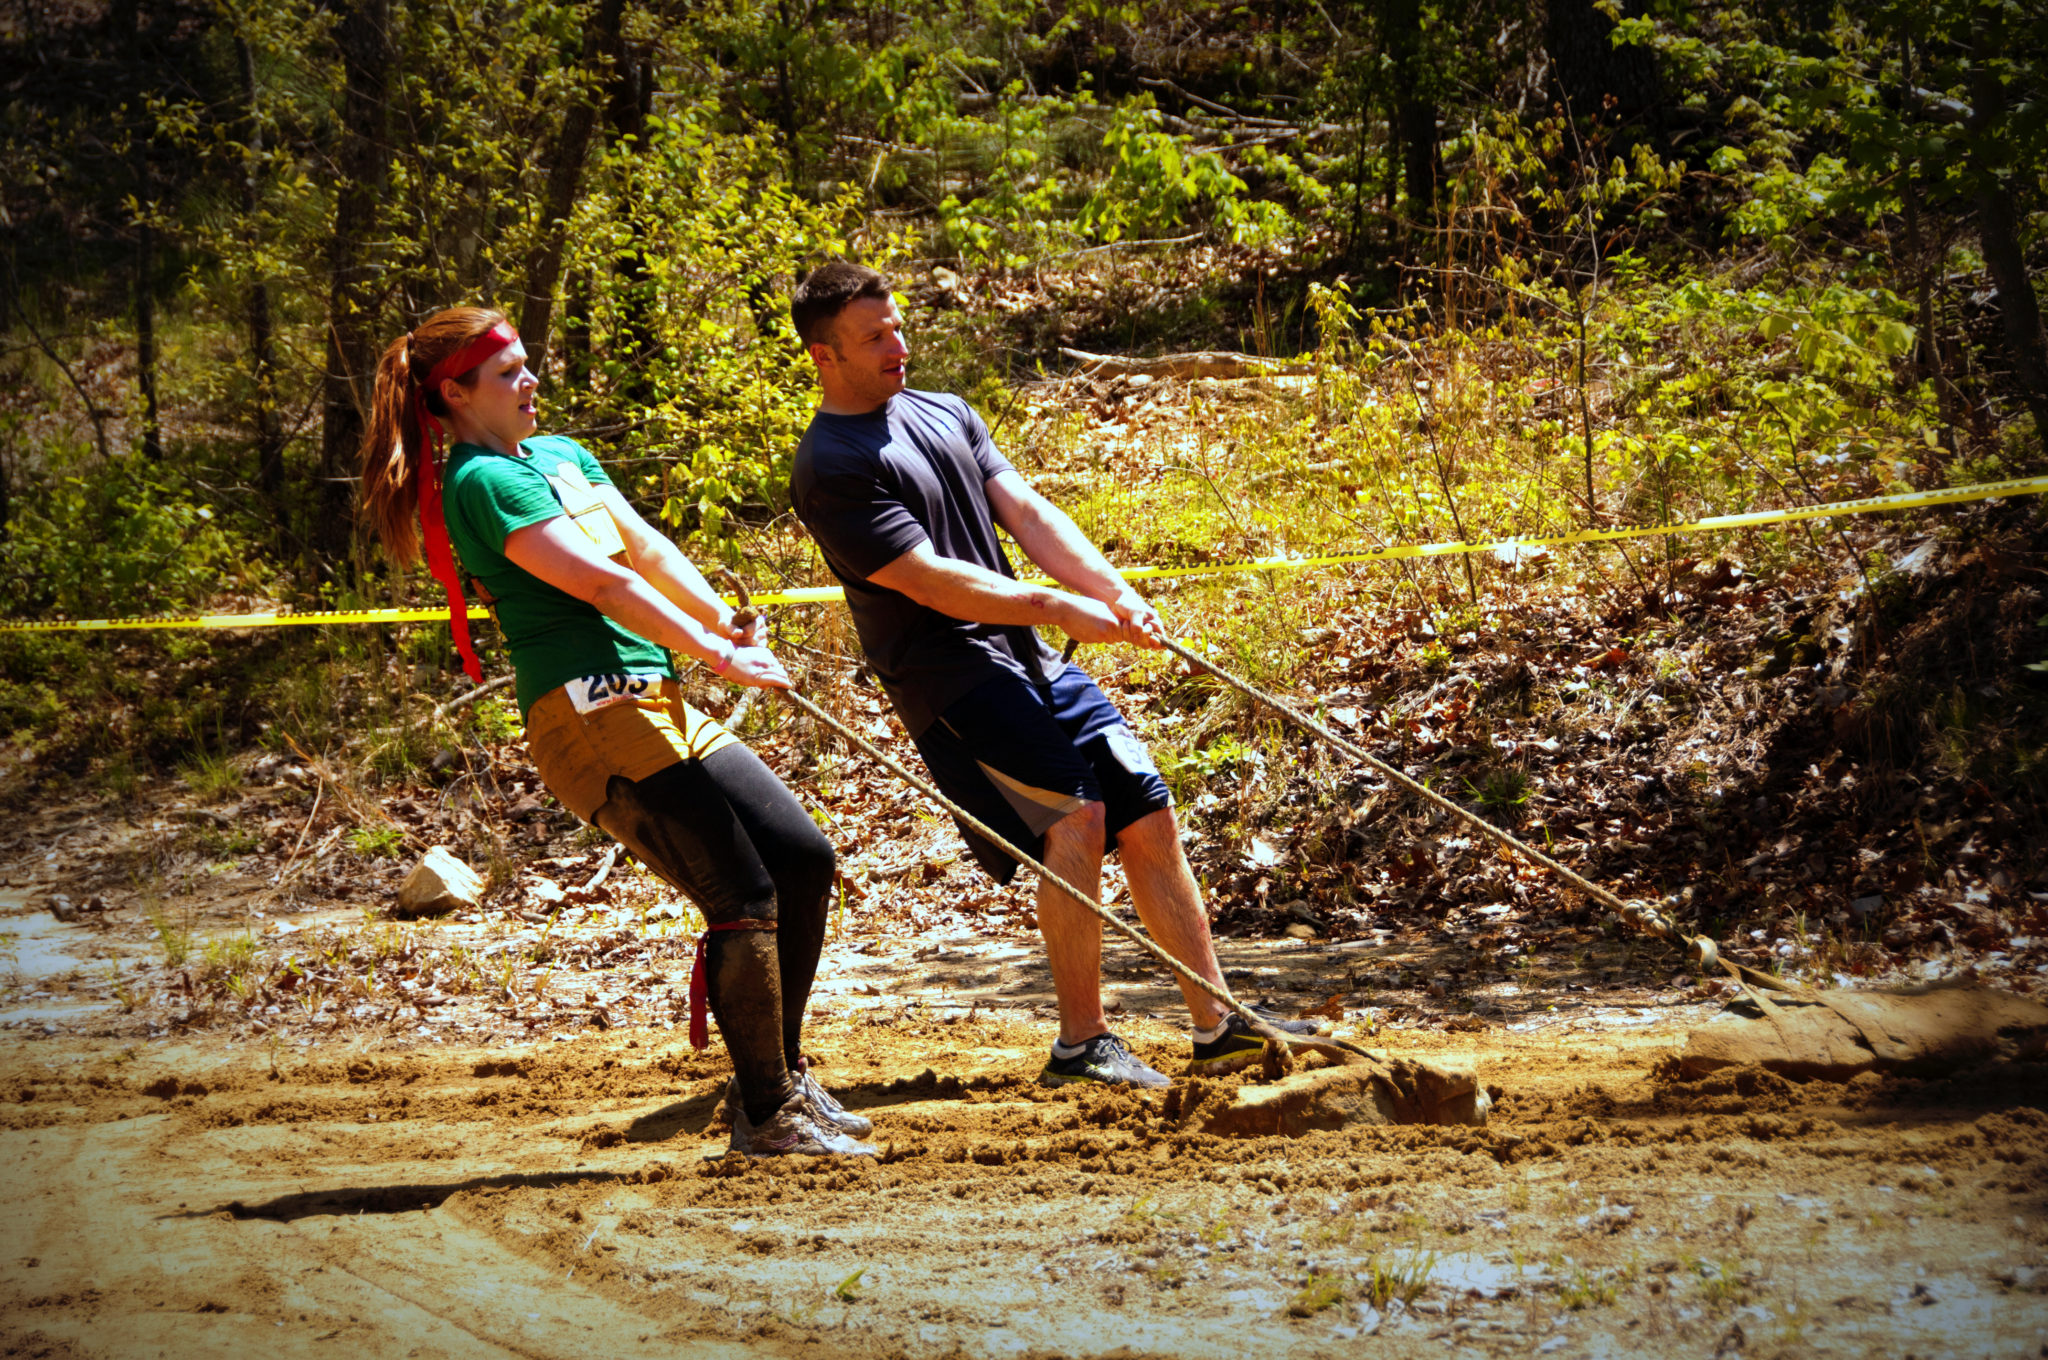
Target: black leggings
[[730, 834]]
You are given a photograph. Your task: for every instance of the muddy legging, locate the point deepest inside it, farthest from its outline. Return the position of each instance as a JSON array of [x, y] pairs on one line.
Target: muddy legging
[[726, 831]]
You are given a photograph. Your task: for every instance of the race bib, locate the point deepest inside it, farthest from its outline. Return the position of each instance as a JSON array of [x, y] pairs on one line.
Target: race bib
[[1129, 751], [586, 508], [593, 692]]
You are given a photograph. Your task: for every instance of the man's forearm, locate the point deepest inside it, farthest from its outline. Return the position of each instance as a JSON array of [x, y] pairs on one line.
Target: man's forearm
[[1052, 540], [962, 590]]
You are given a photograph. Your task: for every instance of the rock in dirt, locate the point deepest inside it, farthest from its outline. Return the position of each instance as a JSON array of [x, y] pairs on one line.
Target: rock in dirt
[[1841, 1034], [438, 884], [1402, 1092]]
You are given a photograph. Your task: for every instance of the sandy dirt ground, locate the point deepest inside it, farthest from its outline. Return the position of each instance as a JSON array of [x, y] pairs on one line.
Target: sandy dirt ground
[[485, 1175]]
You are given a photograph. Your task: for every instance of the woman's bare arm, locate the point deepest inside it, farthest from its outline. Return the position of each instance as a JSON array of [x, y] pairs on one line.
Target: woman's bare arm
[[558, 552]]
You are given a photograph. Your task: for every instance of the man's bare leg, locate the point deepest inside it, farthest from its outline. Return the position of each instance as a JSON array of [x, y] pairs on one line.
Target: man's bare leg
[[1169, 902], [1073, 934]]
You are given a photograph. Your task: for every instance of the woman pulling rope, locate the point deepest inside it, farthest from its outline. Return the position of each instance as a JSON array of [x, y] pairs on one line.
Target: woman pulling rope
[[591, 600]]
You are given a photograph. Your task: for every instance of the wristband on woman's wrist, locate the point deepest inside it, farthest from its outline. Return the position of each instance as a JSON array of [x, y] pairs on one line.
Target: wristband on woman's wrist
[[723, 662]]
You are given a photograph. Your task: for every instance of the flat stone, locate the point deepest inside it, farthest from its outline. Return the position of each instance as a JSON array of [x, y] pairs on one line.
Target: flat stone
[[438, 884]]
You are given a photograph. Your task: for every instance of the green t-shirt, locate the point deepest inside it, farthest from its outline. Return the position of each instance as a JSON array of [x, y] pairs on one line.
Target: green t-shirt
[[553, 636]]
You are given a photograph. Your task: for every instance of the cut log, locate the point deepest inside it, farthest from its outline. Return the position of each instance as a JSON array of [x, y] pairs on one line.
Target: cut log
[[438, 884], [1837, 1035], [1201, 364]]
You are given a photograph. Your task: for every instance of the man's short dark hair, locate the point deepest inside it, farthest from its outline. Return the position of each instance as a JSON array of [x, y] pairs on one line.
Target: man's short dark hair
[[824, 294]]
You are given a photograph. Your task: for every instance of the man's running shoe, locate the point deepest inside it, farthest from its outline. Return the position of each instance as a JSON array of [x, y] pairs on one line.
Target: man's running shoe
[[1284, 1025], [799, 1126], [845, 1120], [1102, 1059], [1237, 1047]]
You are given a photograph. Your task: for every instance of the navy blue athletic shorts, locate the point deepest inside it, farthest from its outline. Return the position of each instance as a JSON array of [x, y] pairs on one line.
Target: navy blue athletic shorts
[[1021, 756]]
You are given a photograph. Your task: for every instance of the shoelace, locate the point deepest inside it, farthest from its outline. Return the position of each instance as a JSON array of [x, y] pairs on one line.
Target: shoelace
[[1115, 1046]]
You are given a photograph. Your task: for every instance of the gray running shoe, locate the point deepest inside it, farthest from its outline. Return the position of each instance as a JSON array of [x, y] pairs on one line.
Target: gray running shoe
[[1237, 1047], [799, 1126], [859, 1125], [1103, 1059]]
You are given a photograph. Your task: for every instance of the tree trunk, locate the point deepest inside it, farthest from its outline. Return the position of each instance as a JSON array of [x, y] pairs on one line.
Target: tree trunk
[[362, 162], [1589, 70], [1419, 149], [565, 172], [785, 94], [1998, 234], [129, 19], [145, 339], [262, 359], [1412, 130], [633, 339], [576, 303], [1411, 133]]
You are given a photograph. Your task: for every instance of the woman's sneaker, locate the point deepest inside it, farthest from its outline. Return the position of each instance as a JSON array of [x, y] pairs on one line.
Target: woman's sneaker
[[1102, 1059], [845, 1120], [859, 1125], [1237, 1047], [798, 1127]]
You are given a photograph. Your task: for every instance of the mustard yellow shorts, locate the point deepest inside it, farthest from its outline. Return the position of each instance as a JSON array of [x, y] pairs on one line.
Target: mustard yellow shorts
[[603, 725]]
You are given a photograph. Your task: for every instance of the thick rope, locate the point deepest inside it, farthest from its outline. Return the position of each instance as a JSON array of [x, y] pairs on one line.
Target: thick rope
[[996, 839], [1637, 913]]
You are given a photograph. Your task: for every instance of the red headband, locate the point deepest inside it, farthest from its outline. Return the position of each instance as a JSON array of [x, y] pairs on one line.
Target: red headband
[[440, 557]]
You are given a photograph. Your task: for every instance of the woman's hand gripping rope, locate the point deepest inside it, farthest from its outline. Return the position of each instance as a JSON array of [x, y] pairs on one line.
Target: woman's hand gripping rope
[[751, 663], [1637, 913]]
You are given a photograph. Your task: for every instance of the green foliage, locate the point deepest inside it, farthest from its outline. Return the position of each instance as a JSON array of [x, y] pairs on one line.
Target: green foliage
[[1562, 343], [1189, 774], [1501, 793], [209, 775], [173, 938], [115, 540], [494, 720], [1157, 182], [227, 958], [376, 842], [1320, 1292], [684, 241], [1398, 1275]]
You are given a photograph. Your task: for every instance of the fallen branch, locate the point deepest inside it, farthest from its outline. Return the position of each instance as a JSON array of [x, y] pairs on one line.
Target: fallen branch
[[443, 710], [1200, 364], [604, 869]]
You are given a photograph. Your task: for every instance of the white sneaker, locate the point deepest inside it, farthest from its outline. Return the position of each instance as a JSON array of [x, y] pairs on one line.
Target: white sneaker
[[859, 1125], [799, 1126]]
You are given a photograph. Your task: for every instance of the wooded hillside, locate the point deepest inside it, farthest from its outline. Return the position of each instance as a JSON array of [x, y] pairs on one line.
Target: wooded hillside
[[215, 213], [1542, 271]]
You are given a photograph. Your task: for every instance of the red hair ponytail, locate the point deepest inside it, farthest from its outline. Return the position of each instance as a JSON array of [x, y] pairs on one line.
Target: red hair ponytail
[[401, 447]]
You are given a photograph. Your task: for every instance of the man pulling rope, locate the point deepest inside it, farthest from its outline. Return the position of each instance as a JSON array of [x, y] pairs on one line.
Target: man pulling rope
[[904, 491]]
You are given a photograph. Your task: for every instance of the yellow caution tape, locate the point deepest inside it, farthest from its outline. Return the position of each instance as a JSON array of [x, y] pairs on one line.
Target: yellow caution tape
[[1865, 505]]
